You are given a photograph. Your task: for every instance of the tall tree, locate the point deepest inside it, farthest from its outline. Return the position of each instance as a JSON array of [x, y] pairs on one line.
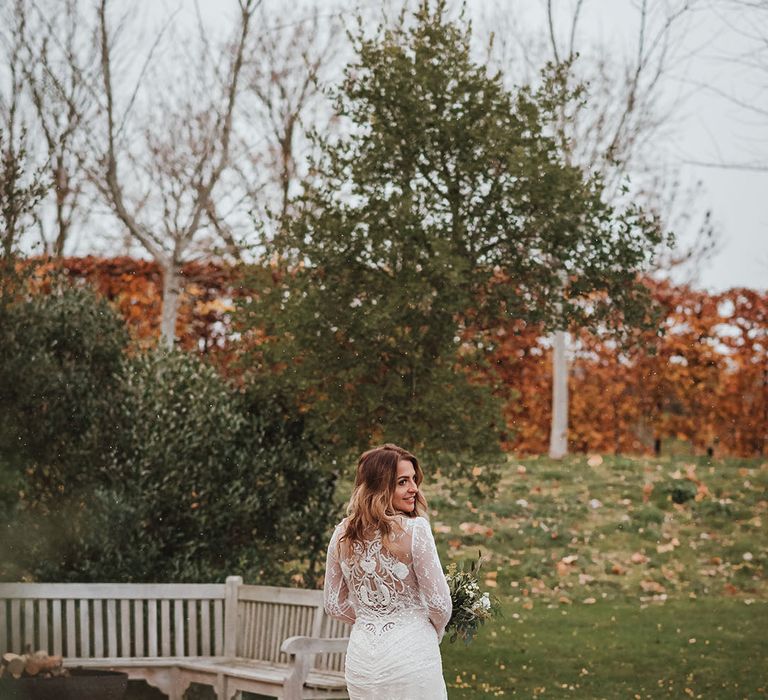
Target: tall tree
[[22, 184], [291, 59], [54, 60], [159, 170], [613, 130], [21, 190], [445, 207]]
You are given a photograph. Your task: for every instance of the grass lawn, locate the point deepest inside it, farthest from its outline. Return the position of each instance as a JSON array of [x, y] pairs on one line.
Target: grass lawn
[[619, 578], [707, 648]]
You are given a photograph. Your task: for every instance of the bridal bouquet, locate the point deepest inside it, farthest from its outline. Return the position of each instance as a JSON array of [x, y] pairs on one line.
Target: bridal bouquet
[[471, 607]]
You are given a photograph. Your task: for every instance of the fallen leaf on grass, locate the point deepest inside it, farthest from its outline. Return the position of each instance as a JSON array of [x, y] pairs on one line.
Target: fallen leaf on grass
[[652, 587], [476, 529], [638, 558], [668, 547]]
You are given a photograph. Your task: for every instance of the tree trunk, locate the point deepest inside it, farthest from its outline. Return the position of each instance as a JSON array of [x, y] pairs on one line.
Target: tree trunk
[[558, 436], [171, 294]]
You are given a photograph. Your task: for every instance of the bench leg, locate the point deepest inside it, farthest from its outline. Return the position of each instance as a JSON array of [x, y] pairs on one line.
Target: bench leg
[[224, 692]]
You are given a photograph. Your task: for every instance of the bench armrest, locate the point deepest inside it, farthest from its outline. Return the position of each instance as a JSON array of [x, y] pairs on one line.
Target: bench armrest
[[314, 645], [300, 650]]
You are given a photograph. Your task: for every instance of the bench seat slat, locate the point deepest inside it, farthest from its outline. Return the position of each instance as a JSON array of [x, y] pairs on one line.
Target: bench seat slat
[[239, 668]]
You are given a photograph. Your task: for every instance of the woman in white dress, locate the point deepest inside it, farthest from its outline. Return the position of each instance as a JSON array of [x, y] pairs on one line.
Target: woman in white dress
[[383, 576]]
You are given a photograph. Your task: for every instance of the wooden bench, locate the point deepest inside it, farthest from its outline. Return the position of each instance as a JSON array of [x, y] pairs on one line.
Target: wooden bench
[[233, 637]]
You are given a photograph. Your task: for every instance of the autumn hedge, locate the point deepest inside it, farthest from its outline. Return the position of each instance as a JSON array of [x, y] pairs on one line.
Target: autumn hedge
[[704, 381]]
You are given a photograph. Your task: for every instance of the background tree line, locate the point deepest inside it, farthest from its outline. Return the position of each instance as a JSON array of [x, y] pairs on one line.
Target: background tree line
[[701, 383]]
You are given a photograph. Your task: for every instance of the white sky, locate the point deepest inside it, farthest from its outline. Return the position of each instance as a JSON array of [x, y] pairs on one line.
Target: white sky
[[708, 127]]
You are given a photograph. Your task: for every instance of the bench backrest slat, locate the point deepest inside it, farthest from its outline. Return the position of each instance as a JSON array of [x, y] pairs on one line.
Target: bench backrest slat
[[205, 630], [125, 628], [192, 628], [218, 627], [71, 649], [58, 627], [85, 628], [98, 629], [42, 624], [111, 628]]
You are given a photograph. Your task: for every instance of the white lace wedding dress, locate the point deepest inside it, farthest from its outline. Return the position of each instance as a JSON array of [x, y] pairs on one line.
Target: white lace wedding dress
[[399, 603]]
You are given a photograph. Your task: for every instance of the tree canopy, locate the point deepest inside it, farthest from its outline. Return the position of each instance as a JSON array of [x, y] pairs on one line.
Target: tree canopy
[[445, 207]]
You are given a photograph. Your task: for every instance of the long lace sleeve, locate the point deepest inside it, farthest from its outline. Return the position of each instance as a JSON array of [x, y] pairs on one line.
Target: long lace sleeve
[[335, 589], [429, 574]]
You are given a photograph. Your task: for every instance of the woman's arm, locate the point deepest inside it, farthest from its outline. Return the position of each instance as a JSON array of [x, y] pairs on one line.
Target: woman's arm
[[335, 589], [430, 577]]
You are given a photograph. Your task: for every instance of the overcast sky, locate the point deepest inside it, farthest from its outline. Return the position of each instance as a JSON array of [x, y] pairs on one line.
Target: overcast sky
[[708, 128], [713, 129]]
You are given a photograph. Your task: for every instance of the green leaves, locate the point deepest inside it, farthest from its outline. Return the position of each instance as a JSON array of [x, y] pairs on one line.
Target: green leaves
[[447, 207], [149, 467]]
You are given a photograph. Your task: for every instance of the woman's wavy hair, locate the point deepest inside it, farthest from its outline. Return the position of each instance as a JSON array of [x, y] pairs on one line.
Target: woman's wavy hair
[[370, 508]]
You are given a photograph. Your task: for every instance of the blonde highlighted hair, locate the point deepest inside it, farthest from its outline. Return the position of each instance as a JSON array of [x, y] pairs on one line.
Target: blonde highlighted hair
[[370, 508]]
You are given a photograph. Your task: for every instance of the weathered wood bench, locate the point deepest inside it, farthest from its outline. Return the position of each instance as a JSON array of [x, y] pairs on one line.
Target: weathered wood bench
[[233, 637]]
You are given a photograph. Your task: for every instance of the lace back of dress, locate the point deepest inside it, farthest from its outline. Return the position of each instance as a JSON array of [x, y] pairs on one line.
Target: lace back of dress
[[377, 576]]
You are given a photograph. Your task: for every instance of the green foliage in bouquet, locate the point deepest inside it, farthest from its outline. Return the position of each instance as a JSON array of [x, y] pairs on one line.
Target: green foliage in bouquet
[[471, 606]]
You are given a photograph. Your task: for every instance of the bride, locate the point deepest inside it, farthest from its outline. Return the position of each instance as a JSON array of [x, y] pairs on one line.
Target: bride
[[383, 575]]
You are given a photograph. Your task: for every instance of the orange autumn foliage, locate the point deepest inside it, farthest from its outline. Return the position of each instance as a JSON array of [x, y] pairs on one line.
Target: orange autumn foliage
[[704, 381], [134, 286]]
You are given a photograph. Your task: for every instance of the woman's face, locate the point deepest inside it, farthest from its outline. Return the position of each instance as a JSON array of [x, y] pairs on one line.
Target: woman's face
[[404, 498]]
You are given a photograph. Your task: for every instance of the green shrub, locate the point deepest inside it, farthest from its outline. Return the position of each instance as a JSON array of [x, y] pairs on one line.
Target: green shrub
[[210, 481], [59, 369], [59, 372], [148, 468]]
